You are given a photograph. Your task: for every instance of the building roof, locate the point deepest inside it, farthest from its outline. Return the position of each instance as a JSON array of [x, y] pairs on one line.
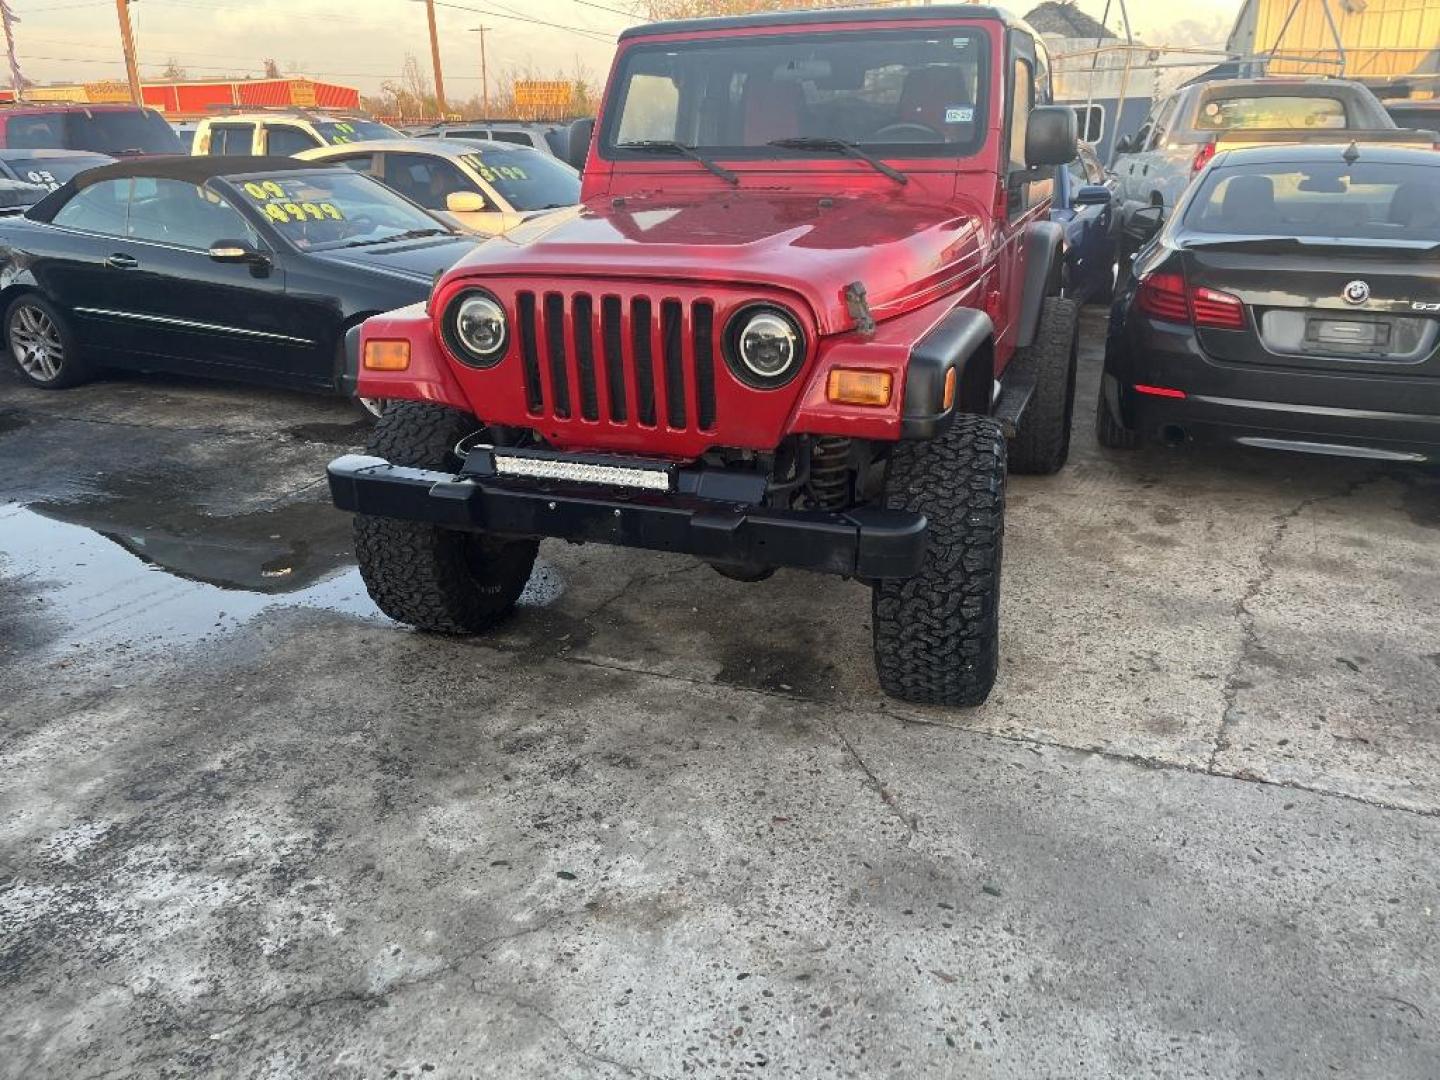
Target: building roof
[[814, 16], [1066, 20]]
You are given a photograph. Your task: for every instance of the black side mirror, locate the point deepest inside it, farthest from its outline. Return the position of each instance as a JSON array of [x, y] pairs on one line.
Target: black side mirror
[[1092, 195], [1144, 222], [577, 142], [1051, 136]]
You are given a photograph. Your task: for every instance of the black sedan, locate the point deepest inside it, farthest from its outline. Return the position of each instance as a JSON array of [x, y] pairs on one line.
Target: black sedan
[[1293, 303], [48, 168], [237, 268]]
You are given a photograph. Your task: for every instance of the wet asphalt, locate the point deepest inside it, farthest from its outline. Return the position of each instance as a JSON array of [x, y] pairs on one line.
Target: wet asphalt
[[663, 824]]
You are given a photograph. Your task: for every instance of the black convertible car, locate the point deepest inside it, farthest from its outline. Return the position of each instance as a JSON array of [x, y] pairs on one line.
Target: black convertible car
[[1293, 302], [238, 268]]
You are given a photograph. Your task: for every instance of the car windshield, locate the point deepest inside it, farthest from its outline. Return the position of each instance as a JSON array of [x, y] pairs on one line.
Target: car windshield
[[54, 171], [1364, 201], [105, 131], [320, 211], [1271, 112], [339, 132], [527, 181], [899, 93]]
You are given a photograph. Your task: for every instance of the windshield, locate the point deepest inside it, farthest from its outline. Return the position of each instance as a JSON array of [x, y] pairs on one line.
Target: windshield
[[105, 131], [320, 211], [1271, 112], [338, 132], [1372, 201], [54, 171], [527, 181], [901, 93]]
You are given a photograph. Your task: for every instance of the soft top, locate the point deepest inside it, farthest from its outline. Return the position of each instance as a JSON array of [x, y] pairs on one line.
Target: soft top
[[814, 16], [195, 170]]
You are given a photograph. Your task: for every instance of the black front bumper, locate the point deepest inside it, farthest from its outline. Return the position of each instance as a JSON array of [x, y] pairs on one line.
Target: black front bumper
[[867, 542]]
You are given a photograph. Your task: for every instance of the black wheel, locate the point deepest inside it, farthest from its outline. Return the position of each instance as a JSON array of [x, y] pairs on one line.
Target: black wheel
[[443, 580], [39, 341], [1042, 443], [937, 635], [1110, 432]]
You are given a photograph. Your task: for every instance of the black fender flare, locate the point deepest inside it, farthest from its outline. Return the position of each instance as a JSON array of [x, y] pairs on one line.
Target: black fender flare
[[962, 340], [349, 359], [1044, 256]]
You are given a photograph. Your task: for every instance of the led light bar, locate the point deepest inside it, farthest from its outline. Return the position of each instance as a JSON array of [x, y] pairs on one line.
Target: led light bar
[[638, 476]]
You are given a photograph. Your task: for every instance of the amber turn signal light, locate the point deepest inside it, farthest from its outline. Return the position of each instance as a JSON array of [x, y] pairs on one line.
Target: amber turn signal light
[[387, 355], [849, 387], [949, 398]]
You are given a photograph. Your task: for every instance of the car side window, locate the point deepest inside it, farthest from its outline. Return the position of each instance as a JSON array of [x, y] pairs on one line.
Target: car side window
[[520, 138], [1162, 124], [424, 179], [1021, 102], [34, 132], [229, 140], [282, 140], [185, 215], [361, 163], [99, 208]]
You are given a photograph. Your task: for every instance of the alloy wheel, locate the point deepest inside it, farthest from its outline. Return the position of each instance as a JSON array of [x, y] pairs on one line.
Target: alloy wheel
[[35, 343]]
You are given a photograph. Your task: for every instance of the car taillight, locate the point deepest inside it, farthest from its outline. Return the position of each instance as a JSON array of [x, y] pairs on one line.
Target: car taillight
[[1168, 298], [1218, 309], [1202, 157], [1162, 296]]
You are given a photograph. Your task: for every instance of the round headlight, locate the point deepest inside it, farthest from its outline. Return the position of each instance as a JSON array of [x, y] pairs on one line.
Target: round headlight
[[476, 328], [766, 346]]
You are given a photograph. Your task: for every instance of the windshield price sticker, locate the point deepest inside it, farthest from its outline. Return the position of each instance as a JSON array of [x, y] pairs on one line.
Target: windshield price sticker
[[282, 208], [343, 133], [491, 173]]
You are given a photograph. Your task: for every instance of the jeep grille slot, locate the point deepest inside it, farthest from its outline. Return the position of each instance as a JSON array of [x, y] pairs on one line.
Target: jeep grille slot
[[529, 351], [555, 346], [640, 332], [641, 360], [614, 343], [702, 317], [671, 338], [584, 316]]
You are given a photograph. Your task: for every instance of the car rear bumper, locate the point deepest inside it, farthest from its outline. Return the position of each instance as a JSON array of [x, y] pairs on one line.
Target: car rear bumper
[[866, 542], [1387, 417]]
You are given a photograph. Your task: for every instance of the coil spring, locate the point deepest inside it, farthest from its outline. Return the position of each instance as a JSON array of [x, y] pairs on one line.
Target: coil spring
[[829, 486]]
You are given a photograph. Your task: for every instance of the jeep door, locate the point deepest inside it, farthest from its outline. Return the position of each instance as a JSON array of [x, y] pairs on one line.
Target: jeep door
[[1027, 192]]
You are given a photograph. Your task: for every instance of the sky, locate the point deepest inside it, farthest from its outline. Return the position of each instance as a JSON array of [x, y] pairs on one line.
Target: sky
[[364, 42]]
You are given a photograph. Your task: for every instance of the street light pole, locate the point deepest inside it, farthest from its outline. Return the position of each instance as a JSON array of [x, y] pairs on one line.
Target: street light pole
[[484, 74], [434, 59], [127, 43]]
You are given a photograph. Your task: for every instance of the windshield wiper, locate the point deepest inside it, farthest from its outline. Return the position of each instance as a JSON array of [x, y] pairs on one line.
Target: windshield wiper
[[413, 234], [670, 146], [849, 149]]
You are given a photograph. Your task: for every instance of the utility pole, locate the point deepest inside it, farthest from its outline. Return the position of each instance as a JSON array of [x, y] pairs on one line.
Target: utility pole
[[127, 42], [484, 74], [434, 59]]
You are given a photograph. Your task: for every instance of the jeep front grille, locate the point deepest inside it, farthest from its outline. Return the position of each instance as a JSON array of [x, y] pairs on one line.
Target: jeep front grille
[[636, 361]]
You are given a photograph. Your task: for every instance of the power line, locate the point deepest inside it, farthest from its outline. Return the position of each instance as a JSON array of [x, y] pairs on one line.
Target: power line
[[632, 16], [595, 35]]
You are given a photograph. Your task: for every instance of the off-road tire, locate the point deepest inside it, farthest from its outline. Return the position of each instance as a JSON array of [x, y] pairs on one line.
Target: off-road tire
[[937, 635], [1109, 431], [74, 368], [442, 580], [1042, 443]]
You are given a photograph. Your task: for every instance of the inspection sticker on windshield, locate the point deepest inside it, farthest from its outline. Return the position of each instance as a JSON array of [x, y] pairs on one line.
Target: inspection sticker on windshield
[[960, 42], [959, 115]]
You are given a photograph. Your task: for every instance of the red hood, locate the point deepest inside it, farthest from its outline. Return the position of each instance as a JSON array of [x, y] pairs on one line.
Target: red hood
[[906, 252]]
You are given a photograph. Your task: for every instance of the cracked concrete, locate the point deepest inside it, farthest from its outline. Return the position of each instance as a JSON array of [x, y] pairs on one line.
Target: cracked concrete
[[663, 824]]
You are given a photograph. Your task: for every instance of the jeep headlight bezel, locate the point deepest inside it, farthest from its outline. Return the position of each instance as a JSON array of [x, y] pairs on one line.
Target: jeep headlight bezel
[[759, 335], [461, 329]]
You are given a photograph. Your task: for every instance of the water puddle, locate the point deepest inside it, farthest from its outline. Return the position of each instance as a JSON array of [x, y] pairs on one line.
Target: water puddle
[[112, 575]]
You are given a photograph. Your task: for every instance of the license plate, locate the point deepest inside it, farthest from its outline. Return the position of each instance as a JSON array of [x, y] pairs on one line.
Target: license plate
[[587, 469], [1348, 332]]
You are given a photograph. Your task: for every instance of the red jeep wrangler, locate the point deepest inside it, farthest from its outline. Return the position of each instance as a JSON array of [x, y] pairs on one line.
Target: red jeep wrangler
[[810, 291]]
